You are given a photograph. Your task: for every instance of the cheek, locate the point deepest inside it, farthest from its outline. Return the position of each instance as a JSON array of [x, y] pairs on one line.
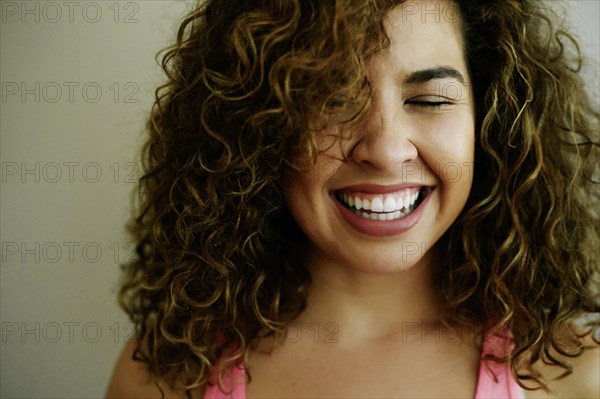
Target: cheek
[[298, 194], [458, 157], [299, 197], [448, 147], [307, 197]]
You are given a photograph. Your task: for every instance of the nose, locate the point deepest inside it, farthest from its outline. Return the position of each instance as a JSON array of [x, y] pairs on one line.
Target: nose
[[384, 138]]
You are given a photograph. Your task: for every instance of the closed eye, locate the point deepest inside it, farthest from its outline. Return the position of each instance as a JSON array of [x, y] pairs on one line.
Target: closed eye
[[429, 101]]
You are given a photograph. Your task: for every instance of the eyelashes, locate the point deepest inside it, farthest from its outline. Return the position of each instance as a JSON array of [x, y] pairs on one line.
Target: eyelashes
[[428, 101], [422, 102]]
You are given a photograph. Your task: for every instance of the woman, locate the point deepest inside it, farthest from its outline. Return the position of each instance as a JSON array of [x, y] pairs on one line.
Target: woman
[[366, 199]]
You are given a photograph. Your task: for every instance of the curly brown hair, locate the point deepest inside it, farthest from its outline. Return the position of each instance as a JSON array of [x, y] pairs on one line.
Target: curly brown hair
[[218, 264]]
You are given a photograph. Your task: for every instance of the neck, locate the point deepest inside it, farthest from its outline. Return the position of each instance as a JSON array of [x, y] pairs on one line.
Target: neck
[[366, 306]]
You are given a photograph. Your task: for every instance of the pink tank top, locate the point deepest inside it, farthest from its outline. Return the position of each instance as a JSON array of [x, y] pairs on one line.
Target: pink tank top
[[487, 388]]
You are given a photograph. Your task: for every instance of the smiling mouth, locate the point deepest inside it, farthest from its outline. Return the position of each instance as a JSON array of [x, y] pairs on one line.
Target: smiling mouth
[[392, 206]]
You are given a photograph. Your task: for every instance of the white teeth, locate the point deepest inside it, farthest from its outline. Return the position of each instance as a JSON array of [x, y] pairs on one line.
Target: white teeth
[[383, 207], [366, 204], [381, 216], [384, 203], [377, 205], [389, 205], [399, 203]]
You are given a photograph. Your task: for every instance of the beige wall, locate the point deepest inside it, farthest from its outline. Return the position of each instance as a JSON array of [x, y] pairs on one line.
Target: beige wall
[[66, 160], [62, 222]]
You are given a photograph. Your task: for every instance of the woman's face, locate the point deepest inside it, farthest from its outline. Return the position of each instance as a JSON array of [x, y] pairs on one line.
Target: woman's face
[[411, 164]]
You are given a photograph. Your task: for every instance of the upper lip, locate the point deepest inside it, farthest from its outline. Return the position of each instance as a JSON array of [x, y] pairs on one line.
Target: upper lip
[[381, 189]]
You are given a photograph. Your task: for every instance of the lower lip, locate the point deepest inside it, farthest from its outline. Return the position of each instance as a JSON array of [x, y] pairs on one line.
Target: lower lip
[[382, 228]]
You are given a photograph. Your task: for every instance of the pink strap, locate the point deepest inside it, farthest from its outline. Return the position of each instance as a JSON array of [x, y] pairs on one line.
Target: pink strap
[[505, 386], [236, 386]]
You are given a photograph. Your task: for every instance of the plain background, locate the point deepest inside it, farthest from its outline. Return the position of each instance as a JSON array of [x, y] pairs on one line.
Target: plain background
[[77, 85]]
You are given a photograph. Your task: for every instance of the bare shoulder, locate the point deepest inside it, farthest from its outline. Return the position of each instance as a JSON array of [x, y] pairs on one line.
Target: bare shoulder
[[132, 380], [583, 383]]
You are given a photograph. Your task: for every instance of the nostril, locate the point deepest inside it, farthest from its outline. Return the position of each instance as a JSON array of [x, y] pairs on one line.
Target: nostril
[[351, 153], [383, 151]]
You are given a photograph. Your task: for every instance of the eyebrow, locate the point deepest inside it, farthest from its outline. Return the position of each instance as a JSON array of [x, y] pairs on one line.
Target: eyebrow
[[425, 75]]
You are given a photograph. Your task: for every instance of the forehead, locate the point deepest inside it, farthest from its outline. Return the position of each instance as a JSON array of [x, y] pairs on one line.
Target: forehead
[[424, 32]]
